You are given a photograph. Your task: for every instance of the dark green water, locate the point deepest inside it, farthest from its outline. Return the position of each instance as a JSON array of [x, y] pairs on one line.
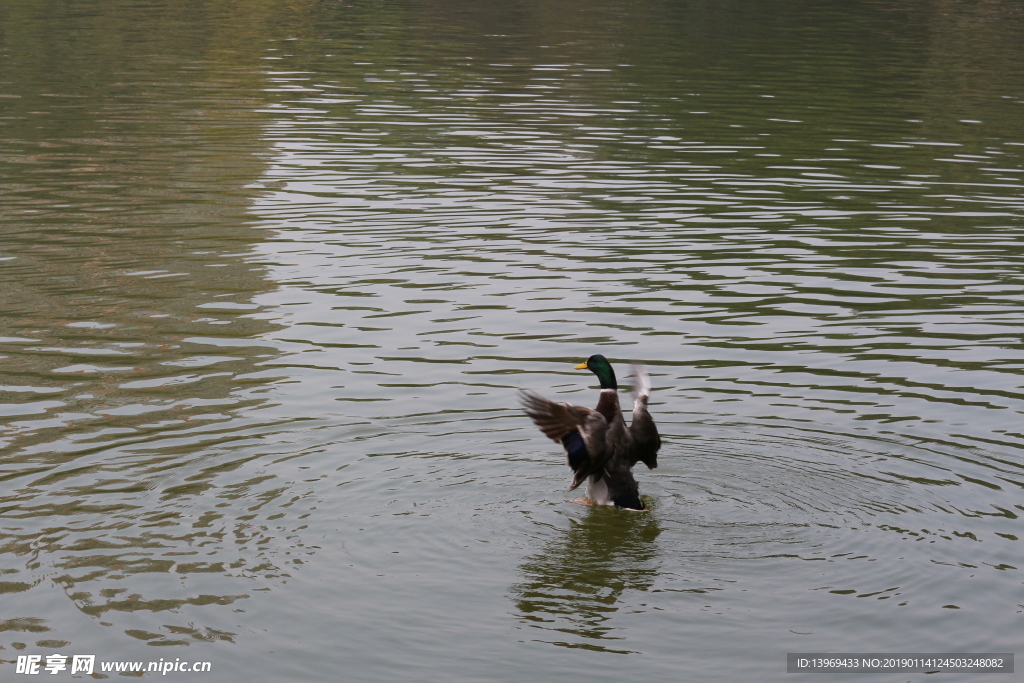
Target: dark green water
[[272, 273]]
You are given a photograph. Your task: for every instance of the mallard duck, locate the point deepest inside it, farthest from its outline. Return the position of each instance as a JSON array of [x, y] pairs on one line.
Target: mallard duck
[[599, 446]]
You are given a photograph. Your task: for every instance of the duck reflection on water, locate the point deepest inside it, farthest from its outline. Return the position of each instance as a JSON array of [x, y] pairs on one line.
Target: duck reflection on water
[[575, 584]]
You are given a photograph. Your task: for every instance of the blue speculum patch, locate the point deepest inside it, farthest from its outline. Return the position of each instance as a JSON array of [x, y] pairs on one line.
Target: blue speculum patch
[[576, 449]]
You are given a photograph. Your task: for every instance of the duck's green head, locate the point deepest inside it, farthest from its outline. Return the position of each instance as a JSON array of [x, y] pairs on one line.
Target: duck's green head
[[600, 366]]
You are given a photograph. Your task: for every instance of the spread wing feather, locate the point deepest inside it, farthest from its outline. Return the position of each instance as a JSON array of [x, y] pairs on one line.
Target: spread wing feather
[[580, 430], [646, 440]]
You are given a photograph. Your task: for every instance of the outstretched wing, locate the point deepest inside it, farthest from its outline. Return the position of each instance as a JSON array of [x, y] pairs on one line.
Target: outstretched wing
[[580, 430], [646, 440]]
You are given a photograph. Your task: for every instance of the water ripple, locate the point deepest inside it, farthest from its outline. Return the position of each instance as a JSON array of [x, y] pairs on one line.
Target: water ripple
[[270, 289]]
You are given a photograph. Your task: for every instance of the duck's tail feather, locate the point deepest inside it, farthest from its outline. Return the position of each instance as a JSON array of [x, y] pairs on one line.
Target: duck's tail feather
[[629, 501]]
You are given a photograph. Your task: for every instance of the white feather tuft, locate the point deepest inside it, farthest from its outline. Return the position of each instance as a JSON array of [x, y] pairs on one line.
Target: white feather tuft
[[642, 386]]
